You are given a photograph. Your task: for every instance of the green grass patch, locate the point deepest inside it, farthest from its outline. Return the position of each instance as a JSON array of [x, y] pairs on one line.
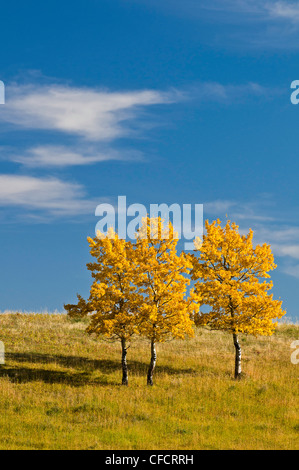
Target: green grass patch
[[59, 389]]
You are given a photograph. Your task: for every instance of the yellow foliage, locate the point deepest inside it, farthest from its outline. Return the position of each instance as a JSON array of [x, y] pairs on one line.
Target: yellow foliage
[[139, 288], [161, 276], [114, 301], [228, 273]]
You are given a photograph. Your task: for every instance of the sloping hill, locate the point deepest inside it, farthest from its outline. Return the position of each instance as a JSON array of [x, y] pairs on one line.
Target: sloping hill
[[59, 389]]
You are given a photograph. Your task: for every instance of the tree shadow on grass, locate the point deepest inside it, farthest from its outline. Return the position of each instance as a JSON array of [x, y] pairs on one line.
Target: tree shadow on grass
[[82, 369], [27, 374], [74, 362]]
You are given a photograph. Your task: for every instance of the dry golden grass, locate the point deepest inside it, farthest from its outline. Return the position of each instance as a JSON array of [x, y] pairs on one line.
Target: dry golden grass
[[59, 389]]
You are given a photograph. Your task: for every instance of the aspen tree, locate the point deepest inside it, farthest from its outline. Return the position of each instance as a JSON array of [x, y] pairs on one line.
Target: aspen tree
[[113, 302], [161, 276], [230, 277]]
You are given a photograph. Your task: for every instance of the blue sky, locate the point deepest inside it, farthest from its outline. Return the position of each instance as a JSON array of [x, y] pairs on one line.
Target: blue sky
[[174, 102]]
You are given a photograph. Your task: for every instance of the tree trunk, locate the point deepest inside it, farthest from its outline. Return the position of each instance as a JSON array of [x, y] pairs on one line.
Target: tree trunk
[[238, 368], [124, 364], [152, 364], [2, 353]]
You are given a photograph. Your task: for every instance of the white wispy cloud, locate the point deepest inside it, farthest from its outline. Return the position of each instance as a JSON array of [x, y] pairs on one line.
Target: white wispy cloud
[[259, 10], [237, 210], [268, 227], [292, 270], [49, 195], [257, 23], [262, 11], [283, 238], [229, 9], [284, 10], [287, 250], [285, 245], [85, 123], [91, 114], [63, 156], [92, 121], [228, 93]]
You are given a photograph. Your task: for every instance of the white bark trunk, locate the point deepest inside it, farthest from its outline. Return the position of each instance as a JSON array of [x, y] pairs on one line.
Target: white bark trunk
[[238, 367], [152, 364], [125, 380]]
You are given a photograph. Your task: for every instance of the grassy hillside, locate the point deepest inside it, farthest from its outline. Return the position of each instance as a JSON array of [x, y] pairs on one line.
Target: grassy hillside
[[59, 389]]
